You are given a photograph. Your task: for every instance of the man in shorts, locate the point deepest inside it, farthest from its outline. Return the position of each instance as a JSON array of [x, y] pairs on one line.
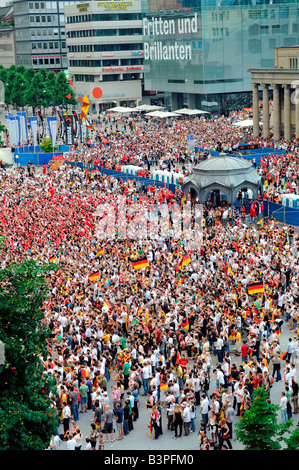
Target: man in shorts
[[108, 423]]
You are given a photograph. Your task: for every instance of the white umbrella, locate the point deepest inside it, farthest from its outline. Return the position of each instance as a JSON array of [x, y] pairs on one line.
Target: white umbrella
[[147, 107], [190, 112], [245, 123], [162, 114], [120, 109]]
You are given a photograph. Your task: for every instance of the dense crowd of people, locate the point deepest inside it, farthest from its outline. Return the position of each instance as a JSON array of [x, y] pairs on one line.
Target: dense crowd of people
[[145, 310]]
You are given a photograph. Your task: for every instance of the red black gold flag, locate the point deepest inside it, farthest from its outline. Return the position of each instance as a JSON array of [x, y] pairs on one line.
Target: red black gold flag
[[94, 276], [140, 263], [255, 288]]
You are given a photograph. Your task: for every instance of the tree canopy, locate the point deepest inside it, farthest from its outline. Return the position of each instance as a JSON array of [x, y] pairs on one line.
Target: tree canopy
[[27, 415], [26, 87]]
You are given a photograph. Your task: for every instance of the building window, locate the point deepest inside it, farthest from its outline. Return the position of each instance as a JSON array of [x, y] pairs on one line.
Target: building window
[[293, 63]]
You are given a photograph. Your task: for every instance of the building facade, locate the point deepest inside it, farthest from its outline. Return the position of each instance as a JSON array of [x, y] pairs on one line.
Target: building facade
[[40, 34], [199, 53], [7, 37], [105, 52], [283, 80]]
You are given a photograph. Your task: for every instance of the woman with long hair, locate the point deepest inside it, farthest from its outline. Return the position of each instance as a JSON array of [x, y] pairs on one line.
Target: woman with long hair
[[155, 421], [177, 420]]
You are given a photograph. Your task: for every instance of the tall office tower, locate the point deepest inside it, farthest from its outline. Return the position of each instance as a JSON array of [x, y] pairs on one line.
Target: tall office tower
[[105, 52], [199, 52], [40, 34]]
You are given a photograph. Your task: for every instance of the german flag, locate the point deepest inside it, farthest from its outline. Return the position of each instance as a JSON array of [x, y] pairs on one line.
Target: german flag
[[185, 260], [108, 304], [185, 324], [163, 387], [140, 263], [94, 276], [100, 252], [230, 271], [53, 259], [183, 200], [255, 288], [79, 296]]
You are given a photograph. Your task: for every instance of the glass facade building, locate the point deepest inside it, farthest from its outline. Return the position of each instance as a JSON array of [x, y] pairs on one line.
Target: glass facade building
[[205, 65]]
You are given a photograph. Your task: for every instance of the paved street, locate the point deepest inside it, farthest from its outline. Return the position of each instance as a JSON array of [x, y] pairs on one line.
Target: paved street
[[139, 438]]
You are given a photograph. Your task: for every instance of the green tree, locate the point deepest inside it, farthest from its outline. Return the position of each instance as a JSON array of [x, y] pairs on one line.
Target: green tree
[[36, 93], [17, 93], [29, 75], [292, 443], [258, 428], [62, 90], [27, 418], [50, 85], [46, 145], [10, 79], [2, 129]]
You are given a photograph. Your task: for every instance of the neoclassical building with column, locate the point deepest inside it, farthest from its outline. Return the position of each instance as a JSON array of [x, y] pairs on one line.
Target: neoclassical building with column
[[283, 81]]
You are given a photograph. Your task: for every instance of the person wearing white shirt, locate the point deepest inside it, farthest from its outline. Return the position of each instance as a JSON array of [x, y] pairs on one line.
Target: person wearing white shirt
[[283, 407], [186, 420], [204, 408], [146, 374], [71, 443]]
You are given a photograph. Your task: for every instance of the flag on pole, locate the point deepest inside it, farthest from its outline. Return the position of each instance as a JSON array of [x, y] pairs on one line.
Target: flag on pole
[[185, 260], [100, 252], [85, 108]]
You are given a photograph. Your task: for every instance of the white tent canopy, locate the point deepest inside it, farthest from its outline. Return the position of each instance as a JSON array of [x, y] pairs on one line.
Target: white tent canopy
[[245, 123], [162, 114], [120, 109], [190, 112], [147, 107]]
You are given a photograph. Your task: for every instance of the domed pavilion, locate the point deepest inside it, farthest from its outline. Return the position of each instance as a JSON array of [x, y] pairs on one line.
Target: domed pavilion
[[222, 175]]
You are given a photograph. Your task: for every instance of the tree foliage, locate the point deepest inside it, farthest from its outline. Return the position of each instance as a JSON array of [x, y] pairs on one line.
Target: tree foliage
[[27, 417], [259, 429], [46, 145], [26, 87]]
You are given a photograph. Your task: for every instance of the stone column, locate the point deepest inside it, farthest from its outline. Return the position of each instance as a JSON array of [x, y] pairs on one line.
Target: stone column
[[255, 109], [287, 112], [296, 101], [276, 111], [265, 111]]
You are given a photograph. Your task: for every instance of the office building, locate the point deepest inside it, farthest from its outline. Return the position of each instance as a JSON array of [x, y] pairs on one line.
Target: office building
[[105, 52], [40, 34], [199, 53], [7, 37]]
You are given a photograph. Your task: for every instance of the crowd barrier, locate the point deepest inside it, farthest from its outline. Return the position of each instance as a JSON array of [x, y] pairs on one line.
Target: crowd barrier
[[35, 158], [257, 154], [121, 175]]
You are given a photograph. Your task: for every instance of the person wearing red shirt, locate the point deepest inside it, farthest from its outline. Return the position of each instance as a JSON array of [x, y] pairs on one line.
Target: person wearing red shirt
[[244, 351]]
